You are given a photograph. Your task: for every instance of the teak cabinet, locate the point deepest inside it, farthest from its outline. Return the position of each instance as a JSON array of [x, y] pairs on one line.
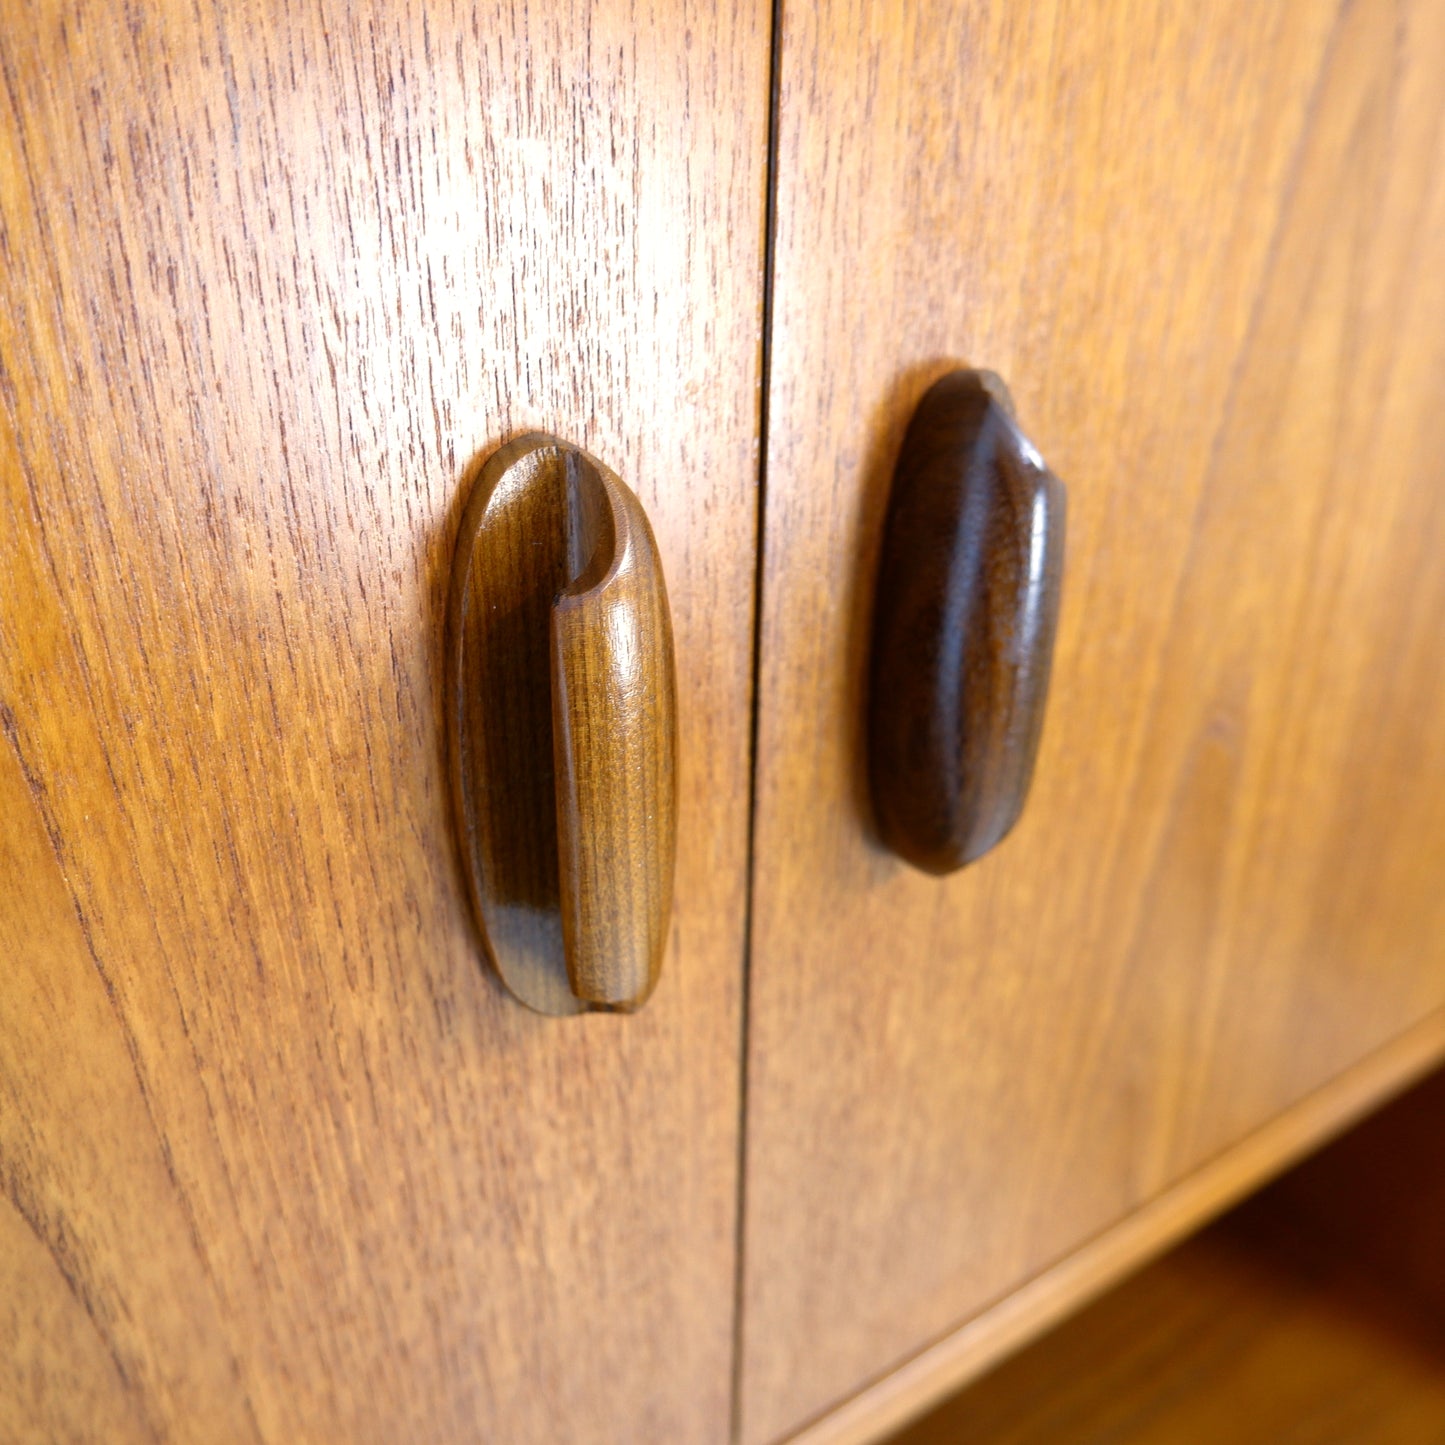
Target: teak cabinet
[[280, 1158]]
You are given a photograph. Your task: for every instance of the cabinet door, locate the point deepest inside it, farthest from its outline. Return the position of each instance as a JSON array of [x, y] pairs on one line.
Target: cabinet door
[[1202, 244], [280, 1159]]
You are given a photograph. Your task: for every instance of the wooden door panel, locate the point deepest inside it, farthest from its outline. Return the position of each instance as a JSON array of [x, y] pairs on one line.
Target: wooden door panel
[[281, 1160], [1199, 245]]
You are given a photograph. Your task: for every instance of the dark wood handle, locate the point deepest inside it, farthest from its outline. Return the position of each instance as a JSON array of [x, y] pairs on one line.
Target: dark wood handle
[[563, 728], [963, 632]]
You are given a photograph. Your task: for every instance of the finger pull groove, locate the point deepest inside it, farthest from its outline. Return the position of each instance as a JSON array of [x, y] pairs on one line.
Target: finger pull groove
[[563, 734]]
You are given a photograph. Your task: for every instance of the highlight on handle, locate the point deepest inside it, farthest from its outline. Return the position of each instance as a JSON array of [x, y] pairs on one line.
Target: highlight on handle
[[562, 728]]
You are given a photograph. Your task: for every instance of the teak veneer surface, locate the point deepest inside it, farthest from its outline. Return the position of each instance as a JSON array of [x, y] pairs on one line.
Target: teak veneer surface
[[1253, 1333], [280, 1159], [1068, 1284], [1312, 1313], [1201, 245]]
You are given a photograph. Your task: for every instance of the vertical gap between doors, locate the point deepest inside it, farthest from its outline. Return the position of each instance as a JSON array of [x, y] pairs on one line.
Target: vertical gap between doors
[[765, 377]]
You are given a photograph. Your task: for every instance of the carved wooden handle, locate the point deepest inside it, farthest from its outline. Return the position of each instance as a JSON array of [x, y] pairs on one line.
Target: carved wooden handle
[[563, 730], [964, 621]]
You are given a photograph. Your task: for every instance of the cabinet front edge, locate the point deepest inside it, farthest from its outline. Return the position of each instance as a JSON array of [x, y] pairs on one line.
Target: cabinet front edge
[[923, 1380]]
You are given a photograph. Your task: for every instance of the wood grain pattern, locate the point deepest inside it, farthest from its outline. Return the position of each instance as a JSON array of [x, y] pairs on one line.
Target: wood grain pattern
[[1054, 1294], [279, 1161], [614, 735], [1198, 243], [964, 617], [1250, 1333], [562, 728]]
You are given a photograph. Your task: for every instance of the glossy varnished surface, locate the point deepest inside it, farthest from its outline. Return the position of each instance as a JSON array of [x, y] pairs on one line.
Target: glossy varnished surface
[[278, 1160], [562, 728], [614, 739], [1199, 244], [964, 616]]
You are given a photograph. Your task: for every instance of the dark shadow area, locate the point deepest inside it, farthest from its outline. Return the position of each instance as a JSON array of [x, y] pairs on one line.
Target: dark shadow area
[[506, 824], [885, 430]]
